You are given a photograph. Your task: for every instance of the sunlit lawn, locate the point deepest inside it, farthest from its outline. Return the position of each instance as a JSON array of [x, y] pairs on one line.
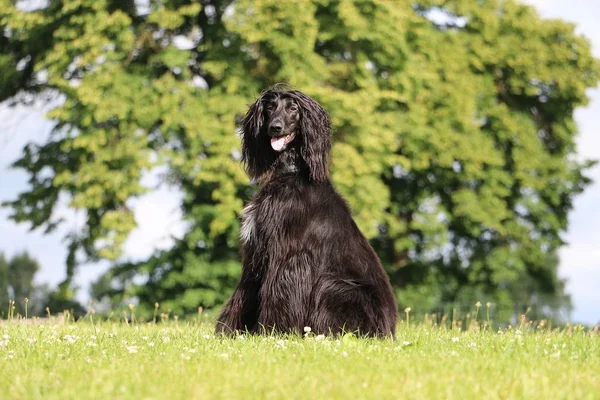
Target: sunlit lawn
[[184, 360]]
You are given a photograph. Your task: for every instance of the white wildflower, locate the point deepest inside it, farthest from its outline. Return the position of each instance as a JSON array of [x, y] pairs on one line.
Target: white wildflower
[[70, 339], [132, 349], [224, 355], [307, 329], [455, 339]]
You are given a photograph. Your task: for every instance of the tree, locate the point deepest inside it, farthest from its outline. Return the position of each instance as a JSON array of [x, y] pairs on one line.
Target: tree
[[453, 129], [17, 277], [4, 297], [17, 281], [21, 272]]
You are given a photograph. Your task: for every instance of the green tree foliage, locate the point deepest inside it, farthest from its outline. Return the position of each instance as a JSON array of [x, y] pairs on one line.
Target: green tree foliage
[[453, 128], [21, 271], [17, 281], [17, 277], [4, 295]]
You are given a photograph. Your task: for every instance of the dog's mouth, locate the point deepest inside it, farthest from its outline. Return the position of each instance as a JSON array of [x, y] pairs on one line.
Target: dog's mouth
[[280, 143]]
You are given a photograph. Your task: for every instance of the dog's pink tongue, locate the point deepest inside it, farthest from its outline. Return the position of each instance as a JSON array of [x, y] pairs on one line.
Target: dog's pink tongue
[[278, 143]]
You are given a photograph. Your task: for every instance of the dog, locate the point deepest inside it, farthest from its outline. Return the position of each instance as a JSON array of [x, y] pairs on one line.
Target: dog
[[305, 262]]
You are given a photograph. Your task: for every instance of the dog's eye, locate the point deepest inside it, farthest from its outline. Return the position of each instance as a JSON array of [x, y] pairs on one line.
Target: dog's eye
[[271, 107], [293, 107]]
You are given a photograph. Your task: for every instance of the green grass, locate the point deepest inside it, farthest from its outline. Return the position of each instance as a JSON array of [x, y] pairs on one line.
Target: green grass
[[184, 360]]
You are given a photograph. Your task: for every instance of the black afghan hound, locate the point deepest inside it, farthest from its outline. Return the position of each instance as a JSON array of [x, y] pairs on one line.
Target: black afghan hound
[[305, 262]]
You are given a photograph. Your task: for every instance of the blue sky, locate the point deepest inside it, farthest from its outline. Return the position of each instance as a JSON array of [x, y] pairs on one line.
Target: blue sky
[[159, 218]]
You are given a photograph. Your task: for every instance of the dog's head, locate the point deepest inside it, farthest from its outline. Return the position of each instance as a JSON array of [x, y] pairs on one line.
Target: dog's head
[[281, 122]]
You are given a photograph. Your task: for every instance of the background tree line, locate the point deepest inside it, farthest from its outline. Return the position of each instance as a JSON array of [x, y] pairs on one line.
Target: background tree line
[[453, 130], [18, 287]]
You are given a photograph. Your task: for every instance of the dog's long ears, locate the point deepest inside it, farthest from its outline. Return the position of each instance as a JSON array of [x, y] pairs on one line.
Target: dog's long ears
[[315, 135], [255, 153]]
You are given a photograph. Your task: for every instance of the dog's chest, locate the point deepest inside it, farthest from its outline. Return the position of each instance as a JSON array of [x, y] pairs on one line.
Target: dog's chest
[[248, 223]]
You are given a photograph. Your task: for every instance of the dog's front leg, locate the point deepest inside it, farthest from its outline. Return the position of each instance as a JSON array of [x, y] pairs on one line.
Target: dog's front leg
[[240, 312]]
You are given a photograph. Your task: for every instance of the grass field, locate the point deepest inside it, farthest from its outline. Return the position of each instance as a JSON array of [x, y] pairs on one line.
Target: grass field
[[184, 360]]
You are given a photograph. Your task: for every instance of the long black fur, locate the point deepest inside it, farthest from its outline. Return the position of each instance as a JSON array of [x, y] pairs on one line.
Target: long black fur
[[305, 262]]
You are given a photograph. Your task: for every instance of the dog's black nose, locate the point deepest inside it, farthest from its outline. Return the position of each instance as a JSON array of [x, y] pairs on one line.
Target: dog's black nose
[[276, 127]]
